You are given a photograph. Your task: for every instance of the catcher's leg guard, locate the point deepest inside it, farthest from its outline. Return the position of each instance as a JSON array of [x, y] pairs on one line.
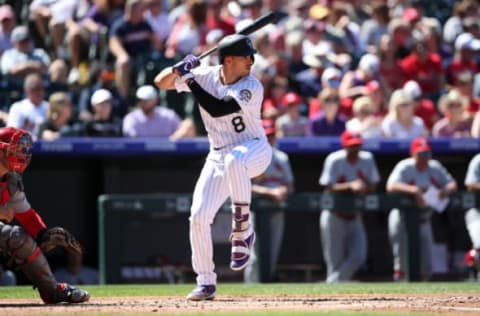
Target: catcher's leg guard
[[26, 254]]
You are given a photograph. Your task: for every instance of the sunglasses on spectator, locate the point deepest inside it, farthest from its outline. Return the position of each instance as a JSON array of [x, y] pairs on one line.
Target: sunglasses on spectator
[[331, 99], [454, 105], [424, 154], [403, 105], [37, 88]]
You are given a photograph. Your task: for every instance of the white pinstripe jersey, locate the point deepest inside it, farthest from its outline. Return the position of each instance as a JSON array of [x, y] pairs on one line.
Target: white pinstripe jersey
[[233, 128]]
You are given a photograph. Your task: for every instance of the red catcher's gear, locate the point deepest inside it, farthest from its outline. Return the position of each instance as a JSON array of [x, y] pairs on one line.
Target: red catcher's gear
[[17, 146]]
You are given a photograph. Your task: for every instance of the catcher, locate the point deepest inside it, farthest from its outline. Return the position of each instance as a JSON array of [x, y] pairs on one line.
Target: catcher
[[26, 244]]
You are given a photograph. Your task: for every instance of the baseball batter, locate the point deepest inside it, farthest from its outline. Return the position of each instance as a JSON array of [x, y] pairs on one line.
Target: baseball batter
[[349, 171], [19, 242], [472, 216], [413, 176], [230, 100]]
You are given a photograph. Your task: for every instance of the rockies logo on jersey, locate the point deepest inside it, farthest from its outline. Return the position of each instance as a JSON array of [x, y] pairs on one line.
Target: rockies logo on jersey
[[245, 95]]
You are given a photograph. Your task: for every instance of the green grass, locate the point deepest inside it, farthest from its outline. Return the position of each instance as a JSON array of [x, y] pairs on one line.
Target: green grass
[[314, 289], [264, 289]]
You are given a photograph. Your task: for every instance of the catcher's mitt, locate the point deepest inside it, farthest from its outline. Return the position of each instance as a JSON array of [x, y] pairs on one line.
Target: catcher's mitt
[[60, 237]]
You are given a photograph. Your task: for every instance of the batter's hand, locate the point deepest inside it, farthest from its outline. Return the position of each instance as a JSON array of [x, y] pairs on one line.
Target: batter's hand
[[183, 68]]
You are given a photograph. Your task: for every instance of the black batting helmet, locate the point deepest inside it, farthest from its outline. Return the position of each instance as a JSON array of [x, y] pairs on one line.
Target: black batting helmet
[[235, 45]]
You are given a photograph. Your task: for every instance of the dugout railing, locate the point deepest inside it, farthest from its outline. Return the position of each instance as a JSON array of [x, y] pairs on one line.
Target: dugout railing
[[122, 217]]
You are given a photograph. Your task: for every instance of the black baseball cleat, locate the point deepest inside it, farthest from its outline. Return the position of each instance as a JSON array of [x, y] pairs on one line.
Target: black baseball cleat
[[65, 293]]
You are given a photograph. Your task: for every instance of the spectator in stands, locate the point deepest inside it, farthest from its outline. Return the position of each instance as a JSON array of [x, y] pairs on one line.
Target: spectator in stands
[[58, 116], [52, 19], [424, 108], [465, 87], [275, 184], [157, 17], [354, 82], [350, 40], [23, 58], [7, 24], [374, 28], [102, 123], [465, 58], [400, 32], [401, 121], [331, 77], [75, 272], [294, 53], [92, 31], [328, 122], [101, 79], [308, 81], [292, 123], [151, 120], [219, 18], [273, 104], [130, 40], [30, 112], [390, 70], [377, 95], [315, 30], [413, 176], [365, 122], [189, 32], [456, 122], [352, 172], [424, 67], [454, 25]]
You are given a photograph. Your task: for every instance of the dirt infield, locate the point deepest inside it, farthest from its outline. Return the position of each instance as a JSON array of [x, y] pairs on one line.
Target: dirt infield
[[443, 304]]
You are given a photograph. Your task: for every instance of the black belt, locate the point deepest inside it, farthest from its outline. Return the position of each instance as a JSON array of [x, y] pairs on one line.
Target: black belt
[[219, 148]]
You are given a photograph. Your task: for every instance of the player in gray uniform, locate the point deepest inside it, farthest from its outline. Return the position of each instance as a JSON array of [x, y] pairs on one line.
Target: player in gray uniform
[[349, 171], [230, 100], [276, 184], [413, 176], [472, 217], [19, 242]]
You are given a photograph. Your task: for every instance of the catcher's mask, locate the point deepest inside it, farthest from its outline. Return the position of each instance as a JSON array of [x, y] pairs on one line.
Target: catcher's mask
[[16, 145]]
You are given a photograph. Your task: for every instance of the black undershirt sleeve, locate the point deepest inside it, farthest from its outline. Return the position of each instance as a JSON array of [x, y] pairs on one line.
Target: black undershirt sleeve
[[215, 107]]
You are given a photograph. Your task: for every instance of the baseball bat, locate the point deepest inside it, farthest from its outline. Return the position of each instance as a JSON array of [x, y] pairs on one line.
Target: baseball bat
[[265, 19]]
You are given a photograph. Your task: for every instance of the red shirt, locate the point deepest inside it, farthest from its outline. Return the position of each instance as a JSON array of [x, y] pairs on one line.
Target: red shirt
[[226, 26], [457, 67], [427, 112], [426, 73]]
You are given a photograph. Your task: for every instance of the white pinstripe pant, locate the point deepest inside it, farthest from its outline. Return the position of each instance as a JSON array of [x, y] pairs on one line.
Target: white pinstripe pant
[[227, 172]]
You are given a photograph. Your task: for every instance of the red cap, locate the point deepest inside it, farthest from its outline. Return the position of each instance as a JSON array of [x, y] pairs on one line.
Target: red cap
[[269, 127], [372, 86], [419, 144], [411, 14], [291, 98], [351, 139]]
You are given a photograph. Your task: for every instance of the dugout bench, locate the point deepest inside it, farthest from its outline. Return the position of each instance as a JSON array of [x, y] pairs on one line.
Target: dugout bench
[[123, 217]]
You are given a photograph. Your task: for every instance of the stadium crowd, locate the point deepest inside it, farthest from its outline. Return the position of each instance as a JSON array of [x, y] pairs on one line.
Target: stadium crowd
[[391, 68]]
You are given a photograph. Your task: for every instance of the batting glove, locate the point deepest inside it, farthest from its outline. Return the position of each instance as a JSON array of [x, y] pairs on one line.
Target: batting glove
[[184, 67]]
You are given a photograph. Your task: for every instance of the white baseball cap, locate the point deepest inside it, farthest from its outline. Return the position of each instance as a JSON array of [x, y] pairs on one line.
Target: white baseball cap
[[100, 96], [412, 89], [331, 76], [370, 63], [146, 92], [467, 41]]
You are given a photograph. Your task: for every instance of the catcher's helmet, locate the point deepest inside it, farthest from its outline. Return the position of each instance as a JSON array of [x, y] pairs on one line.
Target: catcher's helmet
[[235, 45], [16, 144]]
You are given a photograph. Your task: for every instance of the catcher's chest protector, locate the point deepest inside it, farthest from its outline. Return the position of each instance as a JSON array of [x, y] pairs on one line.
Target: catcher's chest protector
[[9, 185]]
